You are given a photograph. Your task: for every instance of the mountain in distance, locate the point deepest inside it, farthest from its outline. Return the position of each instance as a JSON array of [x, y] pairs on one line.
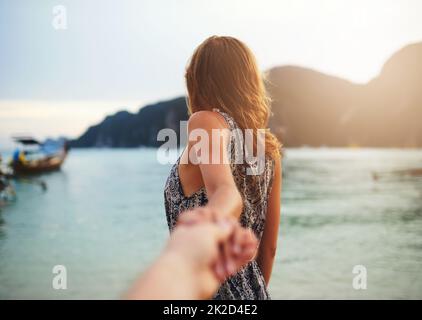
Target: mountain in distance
[[309, 108], [129, 130]]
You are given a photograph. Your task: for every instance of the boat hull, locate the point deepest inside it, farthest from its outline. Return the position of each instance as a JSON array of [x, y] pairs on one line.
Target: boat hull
[[39, 166]]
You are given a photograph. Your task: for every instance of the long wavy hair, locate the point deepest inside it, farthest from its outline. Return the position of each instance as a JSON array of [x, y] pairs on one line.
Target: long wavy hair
[[223, 73]]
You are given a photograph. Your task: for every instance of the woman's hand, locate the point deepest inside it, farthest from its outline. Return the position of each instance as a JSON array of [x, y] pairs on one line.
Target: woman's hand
[[201, 247], [236, 248], [197, 215]]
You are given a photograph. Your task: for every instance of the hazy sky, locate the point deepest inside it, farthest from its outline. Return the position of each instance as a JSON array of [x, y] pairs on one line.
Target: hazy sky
[[123, 54]]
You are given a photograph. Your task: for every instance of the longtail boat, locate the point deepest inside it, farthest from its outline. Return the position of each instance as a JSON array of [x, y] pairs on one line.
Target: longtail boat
[[45, 157]]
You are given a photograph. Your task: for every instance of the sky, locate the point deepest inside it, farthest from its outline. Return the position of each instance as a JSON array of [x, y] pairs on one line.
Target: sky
[[123, 54]]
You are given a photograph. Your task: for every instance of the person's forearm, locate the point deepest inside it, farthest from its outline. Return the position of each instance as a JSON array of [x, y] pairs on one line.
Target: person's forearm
[[158, 283], [265, 260], [226, 201]]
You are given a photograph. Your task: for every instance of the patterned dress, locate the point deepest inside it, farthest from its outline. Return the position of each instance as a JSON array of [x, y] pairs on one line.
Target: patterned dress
[[248, 283]]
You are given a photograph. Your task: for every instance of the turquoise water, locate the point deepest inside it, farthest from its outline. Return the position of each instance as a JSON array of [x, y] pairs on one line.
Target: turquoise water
[[102, 217]]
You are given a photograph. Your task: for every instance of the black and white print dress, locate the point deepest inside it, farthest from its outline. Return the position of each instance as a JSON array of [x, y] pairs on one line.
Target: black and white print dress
[[248, 283]]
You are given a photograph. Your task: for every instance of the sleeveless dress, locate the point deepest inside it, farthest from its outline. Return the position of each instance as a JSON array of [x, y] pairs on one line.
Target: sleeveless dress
[[248, 283]]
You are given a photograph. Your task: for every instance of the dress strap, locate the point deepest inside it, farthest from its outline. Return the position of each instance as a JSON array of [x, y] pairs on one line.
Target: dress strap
[[236, 137], [229, 119]]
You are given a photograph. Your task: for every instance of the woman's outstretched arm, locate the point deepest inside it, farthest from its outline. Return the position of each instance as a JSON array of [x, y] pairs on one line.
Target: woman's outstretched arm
[[224, 199], [268, 244]]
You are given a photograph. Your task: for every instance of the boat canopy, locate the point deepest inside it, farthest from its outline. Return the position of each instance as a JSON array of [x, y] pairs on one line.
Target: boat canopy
[[26, 140]]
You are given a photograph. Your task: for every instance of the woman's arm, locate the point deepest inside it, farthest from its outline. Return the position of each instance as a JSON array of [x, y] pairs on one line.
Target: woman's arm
[[223, 197], [268, 244]]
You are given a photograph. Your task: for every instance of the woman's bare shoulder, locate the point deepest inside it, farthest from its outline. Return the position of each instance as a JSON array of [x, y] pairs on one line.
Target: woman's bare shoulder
[[207, 120]]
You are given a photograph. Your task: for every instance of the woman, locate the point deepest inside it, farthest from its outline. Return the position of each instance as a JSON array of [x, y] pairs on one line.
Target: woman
[[226, 91]]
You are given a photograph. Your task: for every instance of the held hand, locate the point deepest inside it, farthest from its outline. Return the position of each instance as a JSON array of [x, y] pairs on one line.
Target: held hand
[[196, 215], [200, 247], [231, 249]]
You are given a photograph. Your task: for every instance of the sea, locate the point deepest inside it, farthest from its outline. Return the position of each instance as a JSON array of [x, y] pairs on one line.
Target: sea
[[351, 225]]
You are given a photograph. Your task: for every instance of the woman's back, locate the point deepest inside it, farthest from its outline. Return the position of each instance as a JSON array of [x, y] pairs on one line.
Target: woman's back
[[249, 282]]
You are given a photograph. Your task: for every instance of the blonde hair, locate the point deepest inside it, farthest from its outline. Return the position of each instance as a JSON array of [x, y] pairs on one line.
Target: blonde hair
[[223, 74]]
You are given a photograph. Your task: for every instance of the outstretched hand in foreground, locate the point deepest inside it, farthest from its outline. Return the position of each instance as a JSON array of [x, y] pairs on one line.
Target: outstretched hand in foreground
[[197, 259]]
